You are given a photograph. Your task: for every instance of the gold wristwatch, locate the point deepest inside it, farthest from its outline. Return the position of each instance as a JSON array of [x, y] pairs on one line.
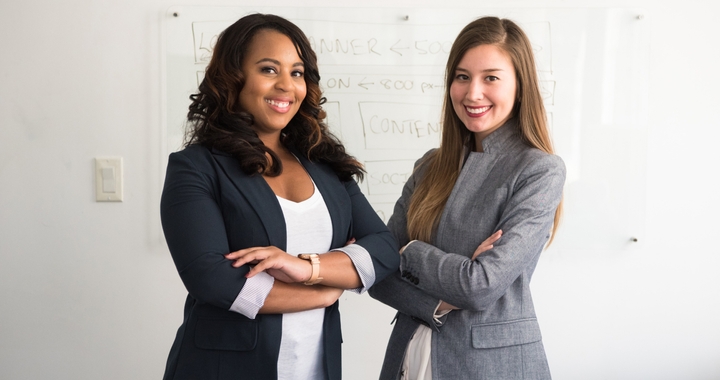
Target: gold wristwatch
[[314, 259]]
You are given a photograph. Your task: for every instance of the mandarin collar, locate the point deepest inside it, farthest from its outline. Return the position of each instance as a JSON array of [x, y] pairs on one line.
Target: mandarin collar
[[499, 139]]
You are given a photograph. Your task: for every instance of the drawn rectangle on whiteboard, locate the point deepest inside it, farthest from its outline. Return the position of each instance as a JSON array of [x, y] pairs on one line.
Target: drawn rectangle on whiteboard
[[343, 42], [400, 125], [332, 117], [390, 84], [388, 177]]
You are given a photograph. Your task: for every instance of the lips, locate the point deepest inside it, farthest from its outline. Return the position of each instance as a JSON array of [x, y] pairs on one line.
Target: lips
[[477, 111], [281, 106]]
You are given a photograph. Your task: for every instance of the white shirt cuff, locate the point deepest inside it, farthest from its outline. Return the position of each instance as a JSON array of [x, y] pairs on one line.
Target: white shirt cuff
[[439, 314], [360, 257], [253, 294]]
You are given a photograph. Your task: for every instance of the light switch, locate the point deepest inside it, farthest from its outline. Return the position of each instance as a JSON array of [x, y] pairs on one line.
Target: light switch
[[108, 179]]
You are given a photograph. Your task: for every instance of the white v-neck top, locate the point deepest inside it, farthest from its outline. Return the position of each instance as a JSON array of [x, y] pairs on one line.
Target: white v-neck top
[[309, 229]]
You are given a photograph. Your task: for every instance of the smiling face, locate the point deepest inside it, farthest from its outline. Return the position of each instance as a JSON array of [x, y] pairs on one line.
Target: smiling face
[[274, 84], [483, 90]]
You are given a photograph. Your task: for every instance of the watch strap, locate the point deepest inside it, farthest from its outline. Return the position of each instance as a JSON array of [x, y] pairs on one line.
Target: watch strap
[[314, 259]]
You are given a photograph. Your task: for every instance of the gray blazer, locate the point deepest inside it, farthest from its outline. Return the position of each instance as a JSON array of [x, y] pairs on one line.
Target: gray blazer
[[511, 187]]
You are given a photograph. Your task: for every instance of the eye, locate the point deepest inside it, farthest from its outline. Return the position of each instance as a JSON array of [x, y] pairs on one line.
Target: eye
[[268, 70], [492, 78], [298, 74], [461, 77]]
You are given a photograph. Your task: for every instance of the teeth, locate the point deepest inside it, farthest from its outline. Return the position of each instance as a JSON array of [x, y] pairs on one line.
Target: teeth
[[477, 110], [278, 104]]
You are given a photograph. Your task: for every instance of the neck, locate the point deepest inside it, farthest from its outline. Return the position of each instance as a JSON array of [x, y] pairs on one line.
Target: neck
[[272, 141], [478, 143]]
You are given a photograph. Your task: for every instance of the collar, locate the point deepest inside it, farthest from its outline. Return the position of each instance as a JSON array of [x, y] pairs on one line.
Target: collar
[[502, 137]]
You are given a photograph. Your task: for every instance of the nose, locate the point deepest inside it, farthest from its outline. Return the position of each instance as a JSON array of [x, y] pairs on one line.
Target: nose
[[285, 81], [475, 91]]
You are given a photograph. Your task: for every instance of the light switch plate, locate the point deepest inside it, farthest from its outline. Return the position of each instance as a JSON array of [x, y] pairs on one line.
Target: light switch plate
[[108, 179]]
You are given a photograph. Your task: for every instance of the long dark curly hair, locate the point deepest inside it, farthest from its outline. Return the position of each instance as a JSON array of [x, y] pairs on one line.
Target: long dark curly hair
[[216, 120]]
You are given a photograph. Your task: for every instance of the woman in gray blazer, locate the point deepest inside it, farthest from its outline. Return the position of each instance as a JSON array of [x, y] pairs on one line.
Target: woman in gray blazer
[[464, 304]]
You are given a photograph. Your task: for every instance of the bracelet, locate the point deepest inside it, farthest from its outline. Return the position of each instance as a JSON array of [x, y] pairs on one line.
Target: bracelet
[[314, 259]]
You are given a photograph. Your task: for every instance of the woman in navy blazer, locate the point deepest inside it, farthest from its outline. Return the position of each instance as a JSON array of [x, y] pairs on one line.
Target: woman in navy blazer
[[261, 175]]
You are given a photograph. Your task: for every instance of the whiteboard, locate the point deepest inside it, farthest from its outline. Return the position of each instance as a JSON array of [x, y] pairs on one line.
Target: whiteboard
[[382, 71]]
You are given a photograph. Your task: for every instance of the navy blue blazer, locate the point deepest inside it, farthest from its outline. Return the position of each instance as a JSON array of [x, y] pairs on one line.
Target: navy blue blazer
[[209, 208]]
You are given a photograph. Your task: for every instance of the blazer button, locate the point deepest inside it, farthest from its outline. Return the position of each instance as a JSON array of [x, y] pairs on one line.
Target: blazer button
[[415, 280]]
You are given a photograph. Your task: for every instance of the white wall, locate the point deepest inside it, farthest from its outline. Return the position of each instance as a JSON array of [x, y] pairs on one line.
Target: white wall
[[88, 290]]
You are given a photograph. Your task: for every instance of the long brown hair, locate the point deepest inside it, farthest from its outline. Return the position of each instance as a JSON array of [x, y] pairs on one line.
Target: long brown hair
[[216, 119], [443, 165]]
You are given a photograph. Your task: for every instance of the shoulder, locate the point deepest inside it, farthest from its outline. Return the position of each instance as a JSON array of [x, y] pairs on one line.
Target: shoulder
[[533, 165], [518, 154], [195, 162], [539, 160], [193, 152], [422, 163]]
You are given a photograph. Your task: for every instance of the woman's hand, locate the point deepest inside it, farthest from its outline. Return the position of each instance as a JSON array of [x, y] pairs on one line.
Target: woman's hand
[[274, 261], [405, 246], [487, 244], [446, 306]]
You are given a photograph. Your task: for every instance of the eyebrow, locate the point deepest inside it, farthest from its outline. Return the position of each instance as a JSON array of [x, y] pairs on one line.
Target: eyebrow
[[484, 71], [275, 61]]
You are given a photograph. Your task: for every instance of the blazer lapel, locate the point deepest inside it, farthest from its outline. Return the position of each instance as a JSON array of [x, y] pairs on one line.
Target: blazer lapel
[[260, 197], [332, 194]]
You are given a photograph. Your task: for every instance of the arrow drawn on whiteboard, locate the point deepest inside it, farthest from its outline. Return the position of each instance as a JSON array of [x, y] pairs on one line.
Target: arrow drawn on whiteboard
[[395, 50], [363, 85]]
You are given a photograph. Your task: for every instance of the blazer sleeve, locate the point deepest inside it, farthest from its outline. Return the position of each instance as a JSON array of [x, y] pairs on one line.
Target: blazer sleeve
[[372, 234], [195, 232], [526, 222], [395, 292]]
